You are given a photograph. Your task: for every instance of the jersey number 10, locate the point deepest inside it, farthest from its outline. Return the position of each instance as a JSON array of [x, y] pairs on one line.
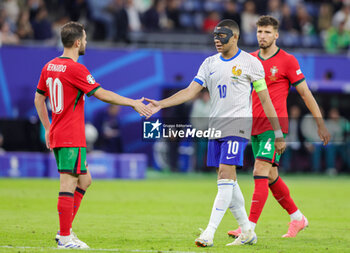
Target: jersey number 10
[[222, 90], [56, 94]]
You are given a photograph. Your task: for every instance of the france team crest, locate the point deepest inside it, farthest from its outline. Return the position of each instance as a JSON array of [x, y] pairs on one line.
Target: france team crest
[[152, 130]]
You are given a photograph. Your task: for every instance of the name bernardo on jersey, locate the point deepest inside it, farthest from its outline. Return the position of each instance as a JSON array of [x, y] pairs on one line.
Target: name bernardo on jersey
[[56, 68]]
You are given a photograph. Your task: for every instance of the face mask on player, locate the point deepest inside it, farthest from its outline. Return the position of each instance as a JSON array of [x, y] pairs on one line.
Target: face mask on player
[[223, 30]]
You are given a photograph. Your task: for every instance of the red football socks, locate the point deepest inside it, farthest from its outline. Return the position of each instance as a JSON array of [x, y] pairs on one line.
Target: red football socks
[[78, 196], [261, 192], [65, 210], [281, 193]]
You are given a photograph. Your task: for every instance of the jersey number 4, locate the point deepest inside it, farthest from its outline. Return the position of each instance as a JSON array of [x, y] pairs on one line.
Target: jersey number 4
[[56, 94]]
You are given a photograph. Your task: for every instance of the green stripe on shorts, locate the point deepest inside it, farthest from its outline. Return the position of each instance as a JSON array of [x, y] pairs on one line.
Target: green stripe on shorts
[[71, 160]]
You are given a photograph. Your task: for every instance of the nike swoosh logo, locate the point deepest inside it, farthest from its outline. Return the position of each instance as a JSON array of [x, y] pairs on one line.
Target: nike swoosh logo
[[263, 153], [218, 209], [212, 73], [228, 157]]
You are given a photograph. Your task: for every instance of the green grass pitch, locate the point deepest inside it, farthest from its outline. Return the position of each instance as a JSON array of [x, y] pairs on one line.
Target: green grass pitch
[[164, 212]]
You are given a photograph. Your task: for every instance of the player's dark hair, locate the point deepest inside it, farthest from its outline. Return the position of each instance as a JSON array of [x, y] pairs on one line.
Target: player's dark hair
[[230, 24], [268, 20], [71, 32]]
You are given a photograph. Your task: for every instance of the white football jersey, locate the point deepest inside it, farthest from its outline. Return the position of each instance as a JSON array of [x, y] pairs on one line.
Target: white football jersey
[[229, 82]]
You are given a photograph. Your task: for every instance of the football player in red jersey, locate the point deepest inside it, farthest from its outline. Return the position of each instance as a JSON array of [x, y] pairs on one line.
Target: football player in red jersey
[[281, 71], [65, 82]]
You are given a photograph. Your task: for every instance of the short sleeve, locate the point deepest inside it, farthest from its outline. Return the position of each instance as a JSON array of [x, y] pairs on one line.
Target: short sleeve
[[203, 73], [294, 74], [256, 70], [84, 81], [42, 88]]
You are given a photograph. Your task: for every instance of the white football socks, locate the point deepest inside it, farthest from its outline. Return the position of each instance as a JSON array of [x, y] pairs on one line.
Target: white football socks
[[221, 203], [297, 215], [237, 208], [65, 239], [252, 225]]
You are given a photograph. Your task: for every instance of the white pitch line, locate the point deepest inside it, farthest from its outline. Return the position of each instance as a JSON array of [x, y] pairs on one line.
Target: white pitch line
[[111, 250]]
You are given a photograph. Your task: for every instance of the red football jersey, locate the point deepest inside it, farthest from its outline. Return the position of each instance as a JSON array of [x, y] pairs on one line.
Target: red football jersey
[[281, 71], [65, 82]]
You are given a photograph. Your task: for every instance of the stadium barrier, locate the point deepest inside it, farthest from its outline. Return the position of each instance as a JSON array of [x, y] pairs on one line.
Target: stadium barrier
[[101, 165]]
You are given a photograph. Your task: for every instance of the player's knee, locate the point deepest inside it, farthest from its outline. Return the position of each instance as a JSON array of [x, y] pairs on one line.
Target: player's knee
[[259, 171], [84, 184], [87, 183]]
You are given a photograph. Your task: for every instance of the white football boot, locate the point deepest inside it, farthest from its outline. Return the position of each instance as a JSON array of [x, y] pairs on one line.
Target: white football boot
[[75, 238], [245, 238], [205, 239]]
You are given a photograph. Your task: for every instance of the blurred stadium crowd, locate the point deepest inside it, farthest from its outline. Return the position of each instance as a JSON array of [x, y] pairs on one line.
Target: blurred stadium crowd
[[304, 23]]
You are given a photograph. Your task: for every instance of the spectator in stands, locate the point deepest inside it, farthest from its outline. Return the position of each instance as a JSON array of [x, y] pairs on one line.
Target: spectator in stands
[[76, 10], [24, 28], [260, 6], [173, 13], [102, 18], [294, 140], [274, 9], [306, 27], [133, 16], [337, 39], [211, 21], [342, 16], [231, 12], [12, 11], [155, 18], [325, 15], [249, 19], [34, 6], [42, 27], [289, 34], [121, 21], [7, 37], [199, 119], [337, 126], [107, 123]]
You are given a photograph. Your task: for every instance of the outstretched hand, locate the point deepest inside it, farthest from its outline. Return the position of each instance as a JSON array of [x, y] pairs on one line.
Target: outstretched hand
[[324, 135], [141, 108], [153, 105]]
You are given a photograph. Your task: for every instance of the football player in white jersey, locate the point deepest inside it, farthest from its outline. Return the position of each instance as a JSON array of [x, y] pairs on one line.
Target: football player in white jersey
[[228, 76]]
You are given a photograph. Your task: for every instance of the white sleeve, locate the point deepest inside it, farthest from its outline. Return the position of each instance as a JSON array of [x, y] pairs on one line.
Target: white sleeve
[[256, 70], [203, 73]]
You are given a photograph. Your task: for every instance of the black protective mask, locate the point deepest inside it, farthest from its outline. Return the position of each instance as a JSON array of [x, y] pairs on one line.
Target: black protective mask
[[223, 30]]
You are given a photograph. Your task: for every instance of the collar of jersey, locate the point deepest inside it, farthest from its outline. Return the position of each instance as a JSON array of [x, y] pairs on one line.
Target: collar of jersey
[[269, 57], [62, 57], [223, 59]]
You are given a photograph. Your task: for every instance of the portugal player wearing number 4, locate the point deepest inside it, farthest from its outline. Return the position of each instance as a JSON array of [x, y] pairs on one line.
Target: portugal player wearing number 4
[[281, 70], [64, 82]]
